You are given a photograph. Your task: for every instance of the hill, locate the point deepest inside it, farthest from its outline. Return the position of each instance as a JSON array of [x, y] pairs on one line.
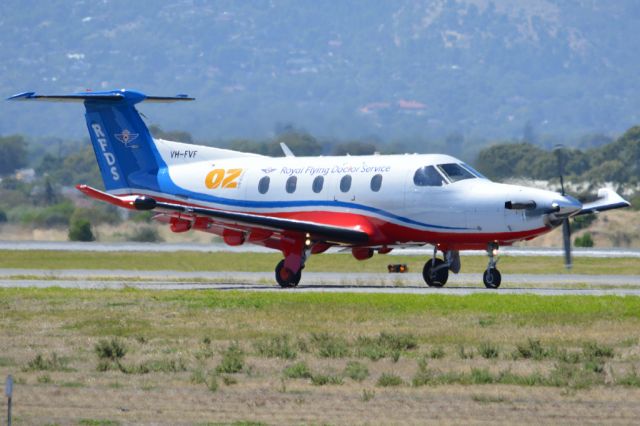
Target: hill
[[408, 69]]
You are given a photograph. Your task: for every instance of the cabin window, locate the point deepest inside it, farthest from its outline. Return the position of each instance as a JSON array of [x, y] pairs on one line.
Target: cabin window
[[318, 183], [291, 184], [428, 176], [263, 184], [345, 183], [455, 172], [376, 183]]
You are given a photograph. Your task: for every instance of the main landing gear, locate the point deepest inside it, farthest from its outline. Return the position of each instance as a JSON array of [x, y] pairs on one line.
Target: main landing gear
[[289, 270], [285, 277], [436, 271]]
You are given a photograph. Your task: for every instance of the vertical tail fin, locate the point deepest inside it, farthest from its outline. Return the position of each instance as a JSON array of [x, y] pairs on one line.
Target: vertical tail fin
[[124, 148]]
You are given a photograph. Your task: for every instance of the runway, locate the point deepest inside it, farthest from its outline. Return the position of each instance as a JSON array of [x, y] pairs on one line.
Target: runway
[[461, 284], [425, 250]]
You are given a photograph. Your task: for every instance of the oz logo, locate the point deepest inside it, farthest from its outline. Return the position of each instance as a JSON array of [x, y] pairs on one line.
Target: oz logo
[[222, 178]]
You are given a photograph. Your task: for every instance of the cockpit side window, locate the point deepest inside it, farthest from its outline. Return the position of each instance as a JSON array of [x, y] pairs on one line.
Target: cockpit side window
[[455, 172], [428, 176]]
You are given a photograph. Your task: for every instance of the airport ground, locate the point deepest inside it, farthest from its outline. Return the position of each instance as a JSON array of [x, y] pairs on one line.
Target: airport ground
[[121, 356]]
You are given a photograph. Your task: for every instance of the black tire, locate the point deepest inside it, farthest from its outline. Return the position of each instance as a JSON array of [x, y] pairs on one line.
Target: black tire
[[440, 276], [287, 278], [492, 278]]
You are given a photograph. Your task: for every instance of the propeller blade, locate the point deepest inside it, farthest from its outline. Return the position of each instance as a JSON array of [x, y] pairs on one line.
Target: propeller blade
[[566, 240]]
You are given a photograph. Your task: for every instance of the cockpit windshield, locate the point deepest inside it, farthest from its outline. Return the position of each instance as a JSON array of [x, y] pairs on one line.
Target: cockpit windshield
[[455, 172], [443, 174]]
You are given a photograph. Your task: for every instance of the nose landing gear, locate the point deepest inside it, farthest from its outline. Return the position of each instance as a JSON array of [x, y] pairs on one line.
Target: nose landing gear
[[492, 276]]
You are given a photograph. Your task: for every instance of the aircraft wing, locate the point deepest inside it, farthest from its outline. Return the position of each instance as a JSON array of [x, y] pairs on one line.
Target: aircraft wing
[[607, 200], [329, 233]]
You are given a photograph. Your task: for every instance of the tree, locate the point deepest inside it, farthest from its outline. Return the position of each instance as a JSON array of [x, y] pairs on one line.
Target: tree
[[13, 154]]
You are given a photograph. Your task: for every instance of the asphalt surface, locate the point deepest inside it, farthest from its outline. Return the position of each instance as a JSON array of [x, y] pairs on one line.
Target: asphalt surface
[[461, 284], [251, 248]]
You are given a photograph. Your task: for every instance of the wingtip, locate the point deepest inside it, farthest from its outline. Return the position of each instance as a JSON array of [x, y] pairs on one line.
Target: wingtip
[[21, 96]]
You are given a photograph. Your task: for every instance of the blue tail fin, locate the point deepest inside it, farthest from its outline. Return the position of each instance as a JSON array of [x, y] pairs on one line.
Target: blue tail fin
[[124, 148]]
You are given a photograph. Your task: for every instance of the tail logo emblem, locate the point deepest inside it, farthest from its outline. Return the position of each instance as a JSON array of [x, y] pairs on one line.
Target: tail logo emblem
[[126, 137]]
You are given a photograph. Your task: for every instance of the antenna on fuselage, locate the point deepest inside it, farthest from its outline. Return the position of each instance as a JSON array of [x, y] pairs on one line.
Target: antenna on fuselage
[[286, 150]]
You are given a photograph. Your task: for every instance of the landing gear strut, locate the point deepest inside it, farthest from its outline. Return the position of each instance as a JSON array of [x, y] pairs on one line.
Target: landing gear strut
[[492, 276]]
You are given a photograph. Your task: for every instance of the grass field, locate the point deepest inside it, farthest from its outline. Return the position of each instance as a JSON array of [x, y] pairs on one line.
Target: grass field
[[256, 262], [198, 357]]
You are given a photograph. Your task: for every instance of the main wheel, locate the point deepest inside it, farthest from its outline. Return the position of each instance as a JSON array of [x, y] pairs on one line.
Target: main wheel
[[285, 277], [435, 278], [492, 278]]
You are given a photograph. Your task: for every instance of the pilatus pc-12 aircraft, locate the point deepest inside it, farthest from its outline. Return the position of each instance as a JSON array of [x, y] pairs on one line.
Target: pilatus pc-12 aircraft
[[305, 205]]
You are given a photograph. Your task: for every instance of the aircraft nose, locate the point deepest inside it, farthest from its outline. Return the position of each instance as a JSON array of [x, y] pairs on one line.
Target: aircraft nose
[[566, 205]]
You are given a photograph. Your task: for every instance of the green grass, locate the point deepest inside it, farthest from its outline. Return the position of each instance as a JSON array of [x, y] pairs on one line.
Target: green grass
[[305, 312], [258, 262]]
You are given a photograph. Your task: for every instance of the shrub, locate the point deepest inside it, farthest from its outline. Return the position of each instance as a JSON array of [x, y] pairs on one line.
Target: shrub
[[584, 241], [325, 379], [212, 383], [488, 350], [356, 371], [80, 230], [330, 346], [276, 347], [481, 376], [437, 353], [593, 350], [299, 370], [198, 376], [424, 376], [388, 379], [367, 395], [103, 366], [232, 360], [228, 380], [385, 345], [44, 379], [112, 349], [631, 379], [41, 363], [532, 349]]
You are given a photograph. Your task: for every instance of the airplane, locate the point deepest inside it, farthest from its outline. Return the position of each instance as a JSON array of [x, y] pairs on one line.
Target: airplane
[[302, 206]]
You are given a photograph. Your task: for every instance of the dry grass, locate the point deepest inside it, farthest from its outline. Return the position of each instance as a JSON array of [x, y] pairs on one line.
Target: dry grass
[[197, 357]]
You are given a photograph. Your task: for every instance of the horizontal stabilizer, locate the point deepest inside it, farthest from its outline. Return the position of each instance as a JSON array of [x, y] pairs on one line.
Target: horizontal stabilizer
[[130, 96]]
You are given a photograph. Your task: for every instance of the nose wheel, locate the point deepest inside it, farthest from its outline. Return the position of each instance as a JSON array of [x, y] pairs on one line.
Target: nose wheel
[[492, 277]]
